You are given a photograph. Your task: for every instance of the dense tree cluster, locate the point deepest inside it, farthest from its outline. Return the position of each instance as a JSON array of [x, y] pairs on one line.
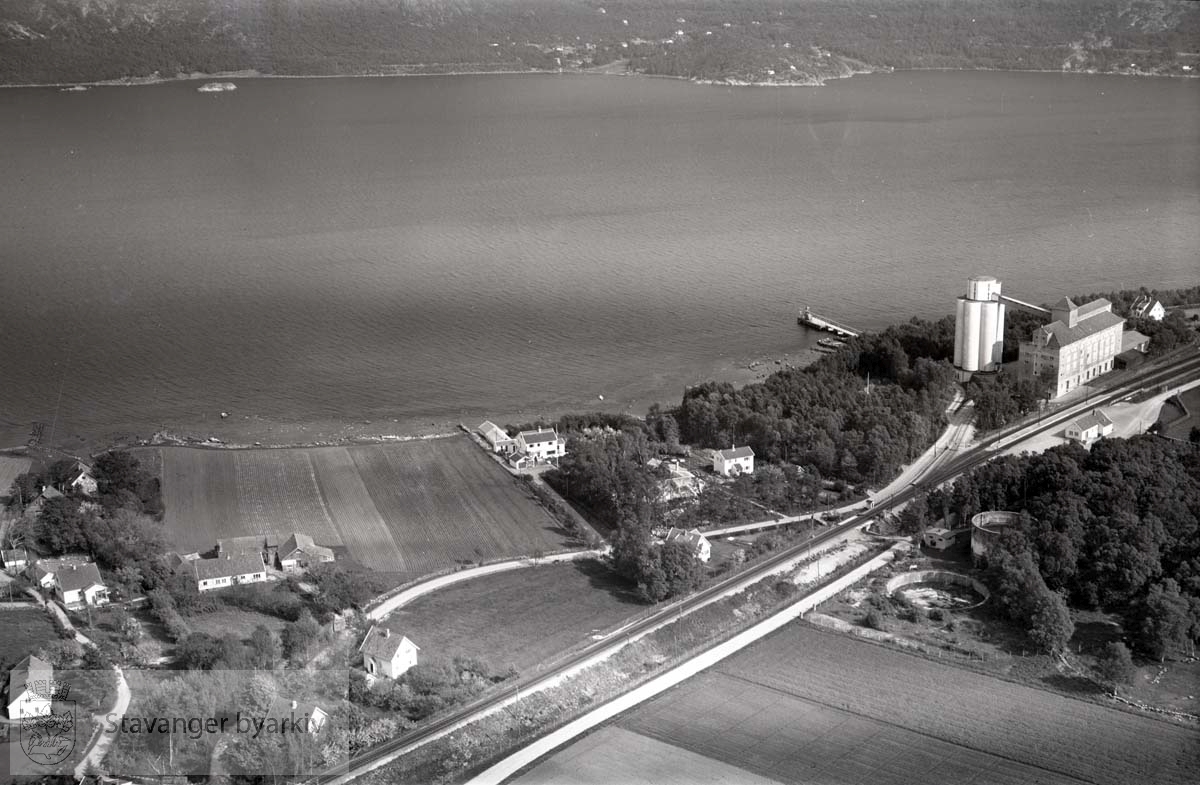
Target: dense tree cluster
[[427, 688], [1116, 528], [826, 416], [1004, 398]]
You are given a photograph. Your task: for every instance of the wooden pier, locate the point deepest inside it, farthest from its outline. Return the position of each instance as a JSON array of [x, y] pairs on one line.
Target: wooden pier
[[818, 322]]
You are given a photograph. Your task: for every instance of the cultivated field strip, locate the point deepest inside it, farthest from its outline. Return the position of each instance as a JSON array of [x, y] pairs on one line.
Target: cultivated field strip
[[278, 494], [363, 531], [200, 495], [411, 508], [10, 467], [1041, 728], [773, 734]]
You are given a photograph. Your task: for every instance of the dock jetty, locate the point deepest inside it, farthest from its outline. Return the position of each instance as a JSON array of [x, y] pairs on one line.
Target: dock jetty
[[818, 322]]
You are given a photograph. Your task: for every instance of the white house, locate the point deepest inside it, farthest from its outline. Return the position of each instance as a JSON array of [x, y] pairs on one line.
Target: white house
[[1146, 307], [81, 480], [497, 438], [1090, 427], [14, 560], [299, 552], [387, 654], [29, 688], [696, 542], [938, 538], [734, 461], [541, 445], [79, 585], [303, 716], [228, 571]]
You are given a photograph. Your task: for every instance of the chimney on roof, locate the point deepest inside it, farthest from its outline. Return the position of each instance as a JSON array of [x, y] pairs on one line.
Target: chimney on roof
[[295, 705], [387, 632]]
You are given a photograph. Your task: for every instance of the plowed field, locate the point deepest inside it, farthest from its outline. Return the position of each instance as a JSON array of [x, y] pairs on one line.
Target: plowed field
[[410, 507]]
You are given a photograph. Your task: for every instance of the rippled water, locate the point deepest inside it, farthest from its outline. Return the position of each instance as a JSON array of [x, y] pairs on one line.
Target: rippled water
[[436, 248]]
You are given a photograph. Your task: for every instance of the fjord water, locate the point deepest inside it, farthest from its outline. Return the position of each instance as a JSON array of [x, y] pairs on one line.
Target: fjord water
[[442, 248]]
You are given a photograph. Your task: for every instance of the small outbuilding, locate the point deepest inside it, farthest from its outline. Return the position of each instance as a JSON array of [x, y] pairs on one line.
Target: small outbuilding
[[303, 716], [15, 560], [938, 538], [696, 542], [734, 461], [299, 552], [1090, 427], [387, 654], [498, 440]]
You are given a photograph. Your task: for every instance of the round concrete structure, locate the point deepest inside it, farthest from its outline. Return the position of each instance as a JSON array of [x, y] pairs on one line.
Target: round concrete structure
[[941, 578], [986, 528]]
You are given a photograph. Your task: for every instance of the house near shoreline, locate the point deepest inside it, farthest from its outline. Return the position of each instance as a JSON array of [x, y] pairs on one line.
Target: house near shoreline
[[696, 542], [223, 572], [543, 445], [80, 586], [29, 685], [1089, 427], [81, 479], [387, 654], [734, 461], [497, 438], [299, 552], [1146, 307]]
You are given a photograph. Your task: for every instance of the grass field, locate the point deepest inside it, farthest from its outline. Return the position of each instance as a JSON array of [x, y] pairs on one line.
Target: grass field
[[10, 467], [233, 620], [410, 508], [25, 631], [522, 617]]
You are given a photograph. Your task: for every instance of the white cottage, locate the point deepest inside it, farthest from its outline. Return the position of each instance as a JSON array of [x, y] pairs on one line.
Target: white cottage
[[1090, 427], [387, 654], [541, 445], [734, 461], [29, 688], [696, 542], [79, 585], [499, 441], [233, 570]]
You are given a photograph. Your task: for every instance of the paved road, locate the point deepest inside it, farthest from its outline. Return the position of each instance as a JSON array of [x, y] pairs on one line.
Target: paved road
[[1181, 369]]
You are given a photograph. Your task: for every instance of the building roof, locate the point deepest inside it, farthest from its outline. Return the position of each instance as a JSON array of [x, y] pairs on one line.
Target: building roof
[[14, 555], [1096, 418], [938, 531], [693, 539], [50, 492], [1064, 304], [492, 432], [235, 545], [383, 644], [1143, 305], [1131, 339], [238, 564], [286, 708], [1062, 335], [80, 470], [76, 577], [298, 541], [29, 669], [1096, 306], [539, 436], [736, 452]]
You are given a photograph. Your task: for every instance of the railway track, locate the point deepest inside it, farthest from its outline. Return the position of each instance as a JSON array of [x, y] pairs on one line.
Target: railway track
[[1185, 368]]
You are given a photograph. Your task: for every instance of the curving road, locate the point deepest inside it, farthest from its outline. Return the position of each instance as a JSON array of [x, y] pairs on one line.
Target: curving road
[[1180, 369]]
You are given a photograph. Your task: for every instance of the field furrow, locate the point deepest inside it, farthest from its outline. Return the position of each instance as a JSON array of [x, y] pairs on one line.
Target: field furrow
[[363, 531], [278, 494]]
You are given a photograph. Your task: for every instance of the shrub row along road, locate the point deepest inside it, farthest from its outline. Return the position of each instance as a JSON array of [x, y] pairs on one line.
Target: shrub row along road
[[1178, 370]]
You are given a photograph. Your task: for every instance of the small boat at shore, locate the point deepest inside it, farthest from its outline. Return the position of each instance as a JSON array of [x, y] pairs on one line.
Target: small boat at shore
[[831, 343], [216, 87], [75, 88]]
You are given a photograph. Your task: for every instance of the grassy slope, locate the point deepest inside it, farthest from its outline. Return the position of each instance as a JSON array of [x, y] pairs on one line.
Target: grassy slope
[[522, 618], [25, 631]]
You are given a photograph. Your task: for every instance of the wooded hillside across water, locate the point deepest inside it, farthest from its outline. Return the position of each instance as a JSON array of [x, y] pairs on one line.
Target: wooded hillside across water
[[747, 40]]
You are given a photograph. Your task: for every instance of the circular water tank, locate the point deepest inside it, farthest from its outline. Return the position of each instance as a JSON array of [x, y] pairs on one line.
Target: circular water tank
[[986, 528]]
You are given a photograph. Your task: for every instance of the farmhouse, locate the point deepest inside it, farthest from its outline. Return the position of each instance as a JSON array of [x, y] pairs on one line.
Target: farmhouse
[[228, 571], [303, 716], [542, 445], [734, 461], [386, 653], [497, 439], [77, 586], [938, 538], [14, 560], [696, 542], [1090, 427], [298, 552], [81, 479], [29, 688]]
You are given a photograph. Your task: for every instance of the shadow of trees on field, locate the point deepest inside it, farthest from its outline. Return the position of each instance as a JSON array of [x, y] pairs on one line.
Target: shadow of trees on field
[[602, 578], [1071, 684]]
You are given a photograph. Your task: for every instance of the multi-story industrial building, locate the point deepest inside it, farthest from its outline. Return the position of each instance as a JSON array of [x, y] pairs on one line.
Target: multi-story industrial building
[[1077, 345]]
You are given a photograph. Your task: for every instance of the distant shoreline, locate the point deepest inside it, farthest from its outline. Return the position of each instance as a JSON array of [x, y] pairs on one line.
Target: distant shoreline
[[138, 81]]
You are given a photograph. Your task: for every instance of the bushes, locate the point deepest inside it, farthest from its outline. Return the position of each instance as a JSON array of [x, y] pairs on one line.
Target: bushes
[[279, 602], [875, 620]]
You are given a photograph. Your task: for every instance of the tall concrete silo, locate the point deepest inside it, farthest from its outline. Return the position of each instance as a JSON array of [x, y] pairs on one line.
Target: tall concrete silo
[[979, 327]]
